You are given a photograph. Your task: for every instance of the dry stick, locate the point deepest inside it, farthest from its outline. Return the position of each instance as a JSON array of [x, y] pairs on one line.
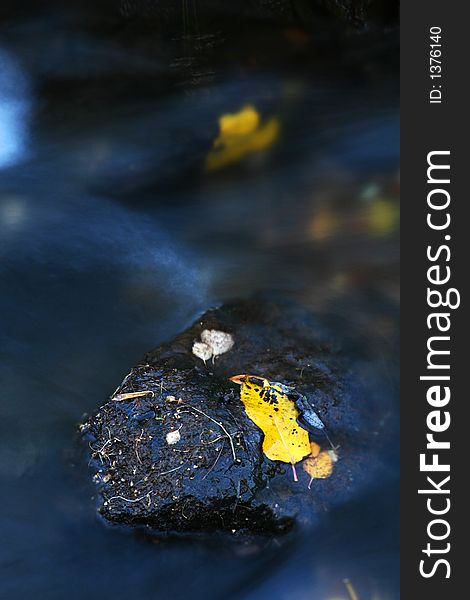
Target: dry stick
[[133, 500], [219, 424], [238, 496], [334, 448], [131, 395], [171, 470], [161, 386], [219, 437], [163, 473], [121, 385], [216, 460], [240, 433], [101, 451], [128, 499], [137, 441]]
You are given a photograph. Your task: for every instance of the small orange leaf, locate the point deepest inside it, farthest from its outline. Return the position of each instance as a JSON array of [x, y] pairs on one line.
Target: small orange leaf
[[319, 465], [314, 450]]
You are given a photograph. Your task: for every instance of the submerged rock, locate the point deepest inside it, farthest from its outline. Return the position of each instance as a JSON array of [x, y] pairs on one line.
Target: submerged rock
[[173, 449]]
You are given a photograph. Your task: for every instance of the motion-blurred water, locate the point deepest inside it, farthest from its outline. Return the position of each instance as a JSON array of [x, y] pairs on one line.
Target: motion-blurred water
[[117, 230]]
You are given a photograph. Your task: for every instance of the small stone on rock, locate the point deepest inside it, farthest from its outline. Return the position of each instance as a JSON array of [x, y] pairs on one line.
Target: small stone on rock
[[173, 437]]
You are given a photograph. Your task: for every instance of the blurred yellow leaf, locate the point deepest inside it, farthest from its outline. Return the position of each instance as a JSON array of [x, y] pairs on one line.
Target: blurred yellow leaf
[[241, 134], [269, 407], [239, 124], [383, 216]]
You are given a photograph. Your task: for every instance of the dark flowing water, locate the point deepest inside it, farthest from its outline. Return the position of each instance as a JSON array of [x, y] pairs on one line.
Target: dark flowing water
[[117, 229]]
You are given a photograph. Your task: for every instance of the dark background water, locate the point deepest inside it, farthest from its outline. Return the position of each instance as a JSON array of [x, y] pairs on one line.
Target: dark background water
[[115, 236]]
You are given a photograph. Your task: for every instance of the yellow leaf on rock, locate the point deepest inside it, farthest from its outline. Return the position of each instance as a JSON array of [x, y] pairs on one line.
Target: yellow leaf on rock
[[319, 465], [269, 407]]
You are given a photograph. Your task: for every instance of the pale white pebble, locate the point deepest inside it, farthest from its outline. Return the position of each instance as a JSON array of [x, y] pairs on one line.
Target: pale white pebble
[[202, 351], [173, 437], [219, 341]]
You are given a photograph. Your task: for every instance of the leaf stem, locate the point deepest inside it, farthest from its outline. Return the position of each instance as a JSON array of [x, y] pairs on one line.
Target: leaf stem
[[296, 479]]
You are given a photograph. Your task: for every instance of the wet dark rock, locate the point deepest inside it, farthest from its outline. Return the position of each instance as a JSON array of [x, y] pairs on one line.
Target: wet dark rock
[[216, 476]]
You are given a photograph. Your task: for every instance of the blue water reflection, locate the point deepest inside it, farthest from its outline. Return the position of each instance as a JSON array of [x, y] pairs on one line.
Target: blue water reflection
[[114, 235]]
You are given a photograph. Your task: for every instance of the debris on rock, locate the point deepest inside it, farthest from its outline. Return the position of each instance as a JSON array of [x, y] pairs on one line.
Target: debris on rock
[[173, 437], [319, 465], [214, 343], [177, 452], [219, 341], [202, 351]]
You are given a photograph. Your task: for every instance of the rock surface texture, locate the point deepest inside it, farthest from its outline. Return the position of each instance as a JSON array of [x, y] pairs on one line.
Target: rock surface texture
[[174, 451]]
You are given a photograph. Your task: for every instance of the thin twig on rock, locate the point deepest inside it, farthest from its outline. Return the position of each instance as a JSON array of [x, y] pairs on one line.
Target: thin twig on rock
[[216, 460], [221, 425]]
